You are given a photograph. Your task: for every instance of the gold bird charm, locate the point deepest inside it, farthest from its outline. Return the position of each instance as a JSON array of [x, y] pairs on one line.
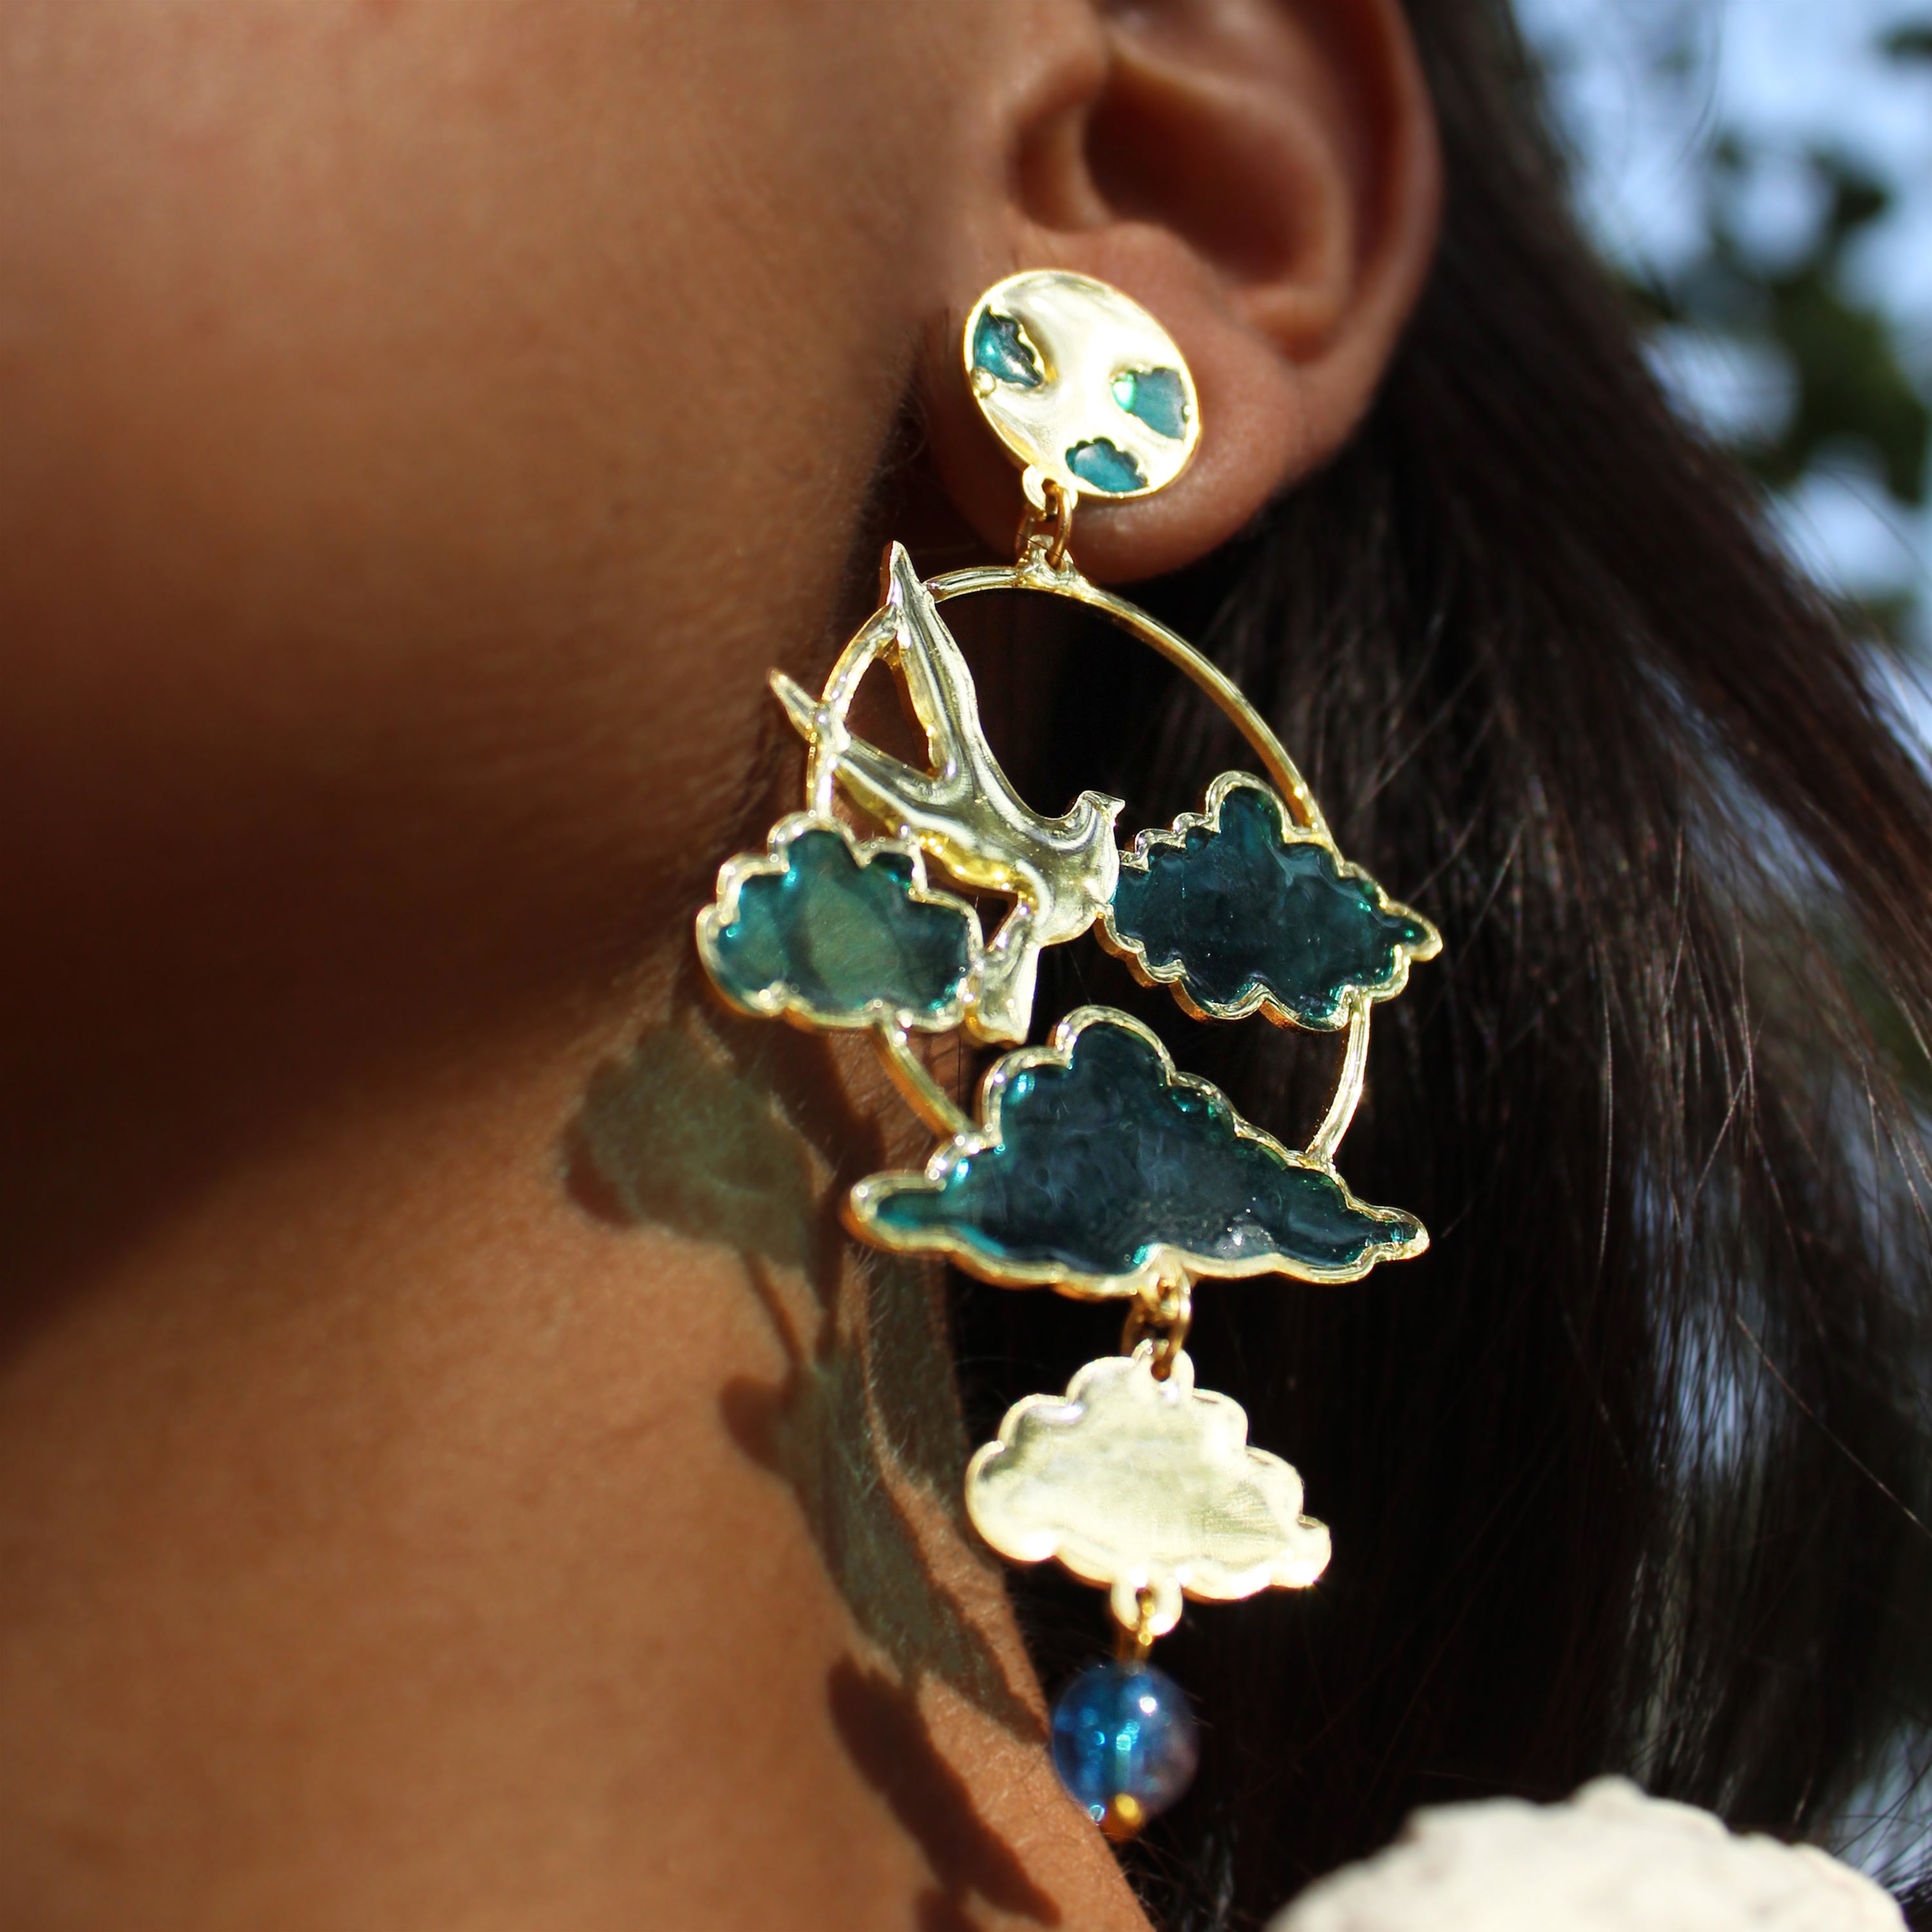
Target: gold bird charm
[[964, 813]]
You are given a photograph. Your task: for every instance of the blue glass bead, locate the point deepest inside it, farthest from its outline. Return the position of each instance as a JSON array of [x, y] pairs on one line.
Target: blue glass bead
[[1124, 1731]]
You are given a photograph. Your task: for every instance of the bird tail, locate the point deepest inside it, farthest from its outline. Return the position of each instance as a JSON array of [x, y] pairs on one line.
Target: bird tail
[[800, 707]]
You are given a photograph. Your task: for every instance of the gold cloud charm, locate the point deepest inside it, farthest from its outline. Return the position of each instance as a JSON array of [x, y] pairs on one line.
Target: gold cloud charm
[[1141, 1485]]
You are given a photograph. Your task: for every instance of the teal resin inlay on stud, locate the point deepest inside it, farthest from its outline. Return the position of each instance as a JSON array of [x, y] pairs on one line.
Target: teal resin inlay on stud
[[1238, 913], [839, 935], [1105, 465], [1002, 351], [1156, 397], [1100, 1165]]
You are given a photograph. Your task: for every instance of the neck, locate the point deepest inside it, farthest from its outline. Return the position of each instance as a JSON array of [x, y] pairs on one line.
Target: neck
[[480, 1478]]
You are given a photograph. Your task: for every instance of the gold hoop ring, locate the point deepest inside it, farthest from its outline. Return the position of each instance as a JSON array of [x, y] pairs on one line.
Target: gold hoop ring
[[1035, 572]]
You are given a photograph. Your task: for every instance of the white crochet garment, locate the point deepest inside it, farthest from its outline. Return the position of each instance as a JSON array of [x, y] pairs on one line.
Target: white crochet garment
[[1610, 1860]]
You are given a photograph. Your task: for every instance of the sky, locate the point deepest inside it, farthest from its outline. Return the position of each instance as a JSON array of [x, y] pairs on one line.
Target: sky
[[1646, 92]]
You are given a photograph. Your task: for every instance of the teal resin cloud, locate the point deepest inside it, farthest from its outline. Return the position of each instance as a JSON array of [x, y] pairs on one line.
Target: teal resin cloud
[[1240, 912], [838, 933], [1100, 1169]]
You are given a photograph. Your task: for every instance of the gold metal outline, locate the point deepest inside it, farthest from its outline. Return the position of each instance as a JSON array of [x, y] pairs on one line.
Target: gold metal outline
[[1257, 999], [1165, 1260]]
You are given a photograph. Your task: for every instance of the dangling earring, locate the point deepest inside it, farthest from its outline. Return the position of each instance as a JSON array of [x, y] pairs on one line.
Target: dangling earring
[[1093, 1166]]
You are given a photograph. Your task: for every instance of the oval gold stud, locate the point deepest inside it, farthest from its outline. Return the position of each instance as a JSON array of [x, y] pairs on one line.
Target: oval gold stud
[[1082, 385]]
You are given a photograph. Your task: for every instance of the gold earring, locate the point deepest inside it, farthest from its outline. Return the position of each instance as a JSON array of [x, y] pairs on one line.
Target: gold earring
[[1093, 1166]]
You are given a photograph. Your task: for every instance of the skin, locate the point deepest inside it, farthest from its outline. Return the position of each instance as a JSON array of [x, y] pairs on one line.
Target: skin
[[453, 1470]]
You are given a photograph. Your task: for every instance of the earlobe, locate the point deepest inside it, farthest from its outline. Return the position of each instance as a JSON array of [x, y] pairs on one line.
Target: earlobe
[[1261, 176]]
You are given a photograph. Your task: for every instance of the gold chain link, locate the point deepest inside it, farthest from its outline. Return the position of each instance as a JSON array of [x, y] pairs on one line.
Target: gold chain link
[[1165, 1315], [1057, 517]]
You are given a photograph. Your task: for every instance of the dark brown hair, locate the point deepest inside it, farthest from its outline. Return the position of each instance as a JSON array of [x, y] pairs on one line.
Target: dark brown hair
[[1631, 1472]]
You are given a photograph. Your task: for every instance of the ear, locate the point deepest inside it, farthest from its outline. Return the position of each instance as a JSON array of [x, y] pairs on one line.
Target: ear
[[1261, 174]]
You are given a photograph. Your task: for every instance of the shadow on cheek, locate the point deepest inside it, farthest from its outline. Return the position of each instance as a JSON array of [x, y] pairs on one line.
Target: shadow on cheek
[[724, 1132], [882, 1728]]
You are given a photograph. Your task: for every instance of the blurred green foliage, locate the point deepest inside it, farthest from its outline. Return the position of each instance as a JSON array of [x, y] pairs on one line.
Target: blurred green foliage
[[1760, 188], [1852, 390]]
